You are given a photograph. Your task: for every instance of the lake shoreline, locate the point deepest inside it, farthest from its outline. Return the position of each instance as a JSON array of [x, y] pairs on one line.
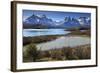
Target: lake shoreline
[[78, 52], [46, 38], [40, 39]]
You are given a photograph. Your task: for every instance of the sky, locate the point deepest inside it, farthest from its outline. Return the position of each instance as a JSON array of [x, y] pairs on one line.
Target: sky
[[54, 15]]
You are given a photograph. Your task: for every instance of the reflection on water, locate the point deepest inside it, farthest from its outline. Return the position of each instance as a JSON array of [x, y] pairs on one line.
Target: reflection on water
[[71, 41], [64, 41], [39, 32]]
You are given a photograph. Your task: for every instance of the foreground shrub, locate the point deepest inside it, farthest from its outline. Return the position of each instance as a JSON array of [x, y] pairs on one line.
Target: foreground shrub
[[32, 52]]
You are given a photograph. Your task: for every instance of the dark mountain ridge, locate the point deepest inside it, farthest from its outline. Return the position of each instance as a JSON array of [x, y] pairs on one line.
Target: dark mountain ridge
[[43, 22]]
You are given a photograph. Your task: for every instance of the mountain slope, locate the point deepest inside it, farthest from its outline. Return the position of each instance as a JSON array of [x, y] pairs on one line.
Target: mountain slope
[[43, 22]]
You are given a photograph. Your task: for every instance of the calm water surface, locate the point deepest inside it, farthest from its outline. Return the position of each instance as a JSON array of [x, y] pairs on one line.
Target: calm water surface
[[40, 32], [68, 41], [64, 41]]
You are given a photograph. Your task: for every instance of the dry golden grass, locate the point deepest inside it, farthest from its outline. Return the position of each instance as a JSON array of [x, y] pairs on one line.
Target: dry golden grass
[[65, 53]]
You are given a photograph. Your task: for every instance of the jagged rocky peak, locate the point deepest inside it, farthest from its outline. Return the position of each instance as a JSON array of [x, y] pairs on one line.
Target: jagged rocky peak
[[42, 20], [68, 18], [43, 16], [85, 20], [82, 17], [33, 14]]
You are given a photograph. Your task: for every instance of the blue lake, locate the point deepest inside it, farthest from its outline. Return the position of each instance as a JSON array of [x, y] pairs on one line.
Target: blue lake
[[41, 32], [63, 41]]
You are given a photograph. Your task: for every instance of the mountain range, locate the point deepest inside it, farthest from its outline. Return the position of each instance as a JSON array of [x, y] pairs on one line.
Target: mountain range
[[43, 22]]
